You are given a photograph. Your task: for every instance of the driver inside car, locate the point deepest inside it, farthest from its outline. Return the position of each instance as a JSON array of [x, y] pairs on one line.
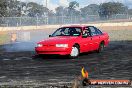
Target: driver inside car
[[86, 33]]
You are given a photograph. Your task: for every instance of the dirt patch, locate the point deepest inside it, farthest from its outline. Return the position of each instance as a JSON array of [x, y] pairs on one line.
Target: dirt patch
[[116, 28], [21, 68]]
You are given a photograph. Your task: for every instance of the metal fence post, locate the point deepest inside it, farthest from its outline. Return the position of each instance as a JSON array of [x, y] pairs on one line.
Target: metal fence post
[[37, 22]]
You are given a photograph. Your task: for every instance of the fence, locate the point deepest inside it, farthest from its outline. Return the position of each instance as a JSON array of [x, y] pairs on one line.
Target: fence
[[20, 23], [36, 21]]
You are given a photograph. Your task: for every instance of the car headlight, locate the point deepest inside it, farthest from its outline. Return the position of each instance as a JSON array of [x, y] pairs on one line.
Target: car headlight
[[39, 45], [62, 45]]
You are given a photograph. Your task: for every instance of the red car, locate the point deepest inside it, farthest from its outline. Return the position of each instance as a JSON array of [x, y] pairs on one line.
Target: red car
[[73, 40]]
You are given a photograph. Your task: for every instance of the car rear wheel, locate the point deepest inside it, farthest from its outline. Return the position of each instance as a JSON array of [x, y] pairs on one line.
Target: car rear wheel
[[101, 47], [74, 52]]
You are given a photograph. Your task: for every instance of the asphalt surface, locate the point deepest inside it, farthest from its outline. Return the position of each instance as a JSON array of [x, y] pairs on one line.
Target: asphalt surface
[[22, 67]]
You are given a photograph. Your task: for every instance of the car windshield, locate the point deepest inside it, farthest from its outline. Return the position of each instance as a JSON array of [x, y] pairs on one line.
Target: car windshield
[[67, 31]]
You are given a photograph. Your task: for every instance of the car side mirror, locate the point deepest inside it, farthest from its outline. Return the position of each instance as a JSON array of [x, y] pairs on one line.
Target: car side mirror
[[49, 35]]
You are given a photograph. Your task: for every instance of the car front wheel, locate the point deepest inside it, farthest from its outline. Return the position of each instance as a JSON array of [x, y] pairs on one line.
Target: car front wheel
[[74, 52]]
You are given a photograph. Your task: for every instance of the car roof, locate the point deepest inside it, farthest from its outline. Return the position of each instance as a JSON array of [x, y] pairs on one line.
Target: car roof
[[75, 26]]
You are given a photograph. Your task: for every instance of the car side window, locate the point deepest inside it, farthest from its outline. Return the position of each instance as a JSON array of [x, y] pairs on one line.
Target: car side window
[[93, 31], [98, 31], [66, 31], [78, 30]]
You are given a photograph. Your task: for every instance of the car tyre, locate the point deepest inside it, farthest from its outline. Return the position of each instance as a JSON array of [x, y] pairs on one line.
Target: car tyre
[[74, 52], [101, 47]]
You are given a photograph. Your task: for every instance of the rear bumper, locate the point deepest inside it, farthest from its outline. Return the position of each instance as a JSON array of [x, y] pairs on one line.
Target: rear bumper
[[57, 51]]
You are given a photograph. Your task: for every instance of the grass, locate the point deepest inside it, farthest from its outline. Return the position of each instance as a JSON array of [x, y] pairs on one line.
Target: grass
[[120, 35], [4, 38]]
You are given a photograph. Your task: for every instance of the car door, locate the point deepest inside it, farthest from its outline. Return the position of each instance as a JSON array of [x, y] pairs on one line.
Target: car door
[[86, 42], [95, 38]]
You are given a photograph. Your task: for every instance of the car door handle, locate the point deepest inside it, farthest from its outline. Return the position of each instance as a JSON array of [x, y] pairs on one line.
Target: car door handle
[[91, 38]]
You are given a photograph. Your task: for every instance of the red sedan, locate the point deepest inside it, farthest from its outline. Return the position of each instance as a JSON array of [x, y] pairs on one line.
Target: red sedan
[[73, 40]]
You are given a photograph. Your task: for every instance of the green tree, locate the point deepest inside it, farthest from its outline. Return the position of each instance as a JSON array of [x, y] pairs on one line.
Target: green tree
[[110, 8], [59, 11], [15, 8], [91, 9], [73, 5], [72, 8], [35, 9], [3, 8]]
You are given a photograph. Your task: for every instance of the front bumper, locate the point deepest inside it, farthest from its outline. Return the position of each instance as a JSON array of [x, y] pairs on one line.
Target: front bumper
[[53, 50]]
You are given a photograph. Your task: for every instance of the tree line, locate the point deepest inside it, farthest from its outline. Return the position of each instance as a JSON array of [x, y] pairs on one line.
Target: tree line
[[15, 8]]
